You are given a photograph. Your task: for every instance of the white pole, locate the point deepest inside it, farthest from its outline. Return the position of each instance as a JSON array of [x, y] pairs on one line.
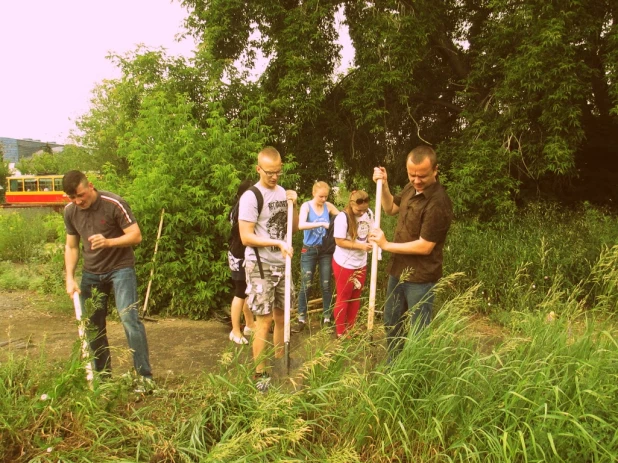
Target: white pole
[[82, 336], [288, 288], [374, 259]]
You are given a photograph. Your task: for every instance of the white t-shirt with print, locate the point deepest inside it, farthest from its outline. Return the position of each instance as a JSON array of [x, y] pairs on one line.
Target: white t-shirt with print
[[271, 223], [352, 258]]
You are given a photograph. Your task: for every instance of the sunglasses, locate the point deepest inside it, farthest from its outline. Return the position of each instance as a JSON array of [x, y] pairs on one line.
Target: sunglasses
[[361, 201]]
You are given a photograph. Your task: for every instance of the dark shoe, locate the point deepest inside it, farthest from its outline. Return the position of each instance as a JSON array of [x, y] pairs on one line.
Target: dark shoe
[[299, 326]]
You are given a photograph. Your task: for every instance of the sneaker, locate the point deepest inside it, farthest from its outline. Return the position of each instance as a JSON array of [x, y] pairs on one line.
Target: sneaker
[[145, 386], [247, 331], [238, 339], [299, 326], [262, 382]]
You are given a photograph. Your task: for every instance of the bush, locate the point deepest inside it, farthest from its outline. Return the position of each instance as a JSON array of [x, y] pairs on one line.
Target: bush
[[23, 233]]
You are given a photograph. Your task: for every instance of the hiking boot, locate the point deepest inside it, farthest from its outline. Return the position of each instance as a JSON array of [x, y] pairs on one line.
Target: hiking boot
[[299, 326]]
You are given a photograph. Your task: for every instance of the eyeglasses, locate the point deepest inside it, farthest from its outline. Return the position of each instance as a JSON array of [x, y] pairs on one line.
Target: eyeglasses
[[361, 201], [277, 173]]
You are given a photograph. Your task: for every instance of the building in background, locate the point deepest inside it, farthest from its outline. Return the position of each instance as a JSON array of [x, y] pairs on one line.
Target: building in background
[[15, 150]]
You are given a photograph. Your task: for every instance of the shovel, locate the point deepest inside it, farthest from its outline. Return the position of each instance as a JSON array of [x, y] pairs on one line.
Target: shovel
[[81, 329]]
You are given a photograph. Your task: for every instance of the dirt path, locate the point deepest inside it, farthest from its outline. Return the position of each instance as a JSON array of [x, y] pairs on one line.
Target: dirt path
[[177, 346], [31, 323]]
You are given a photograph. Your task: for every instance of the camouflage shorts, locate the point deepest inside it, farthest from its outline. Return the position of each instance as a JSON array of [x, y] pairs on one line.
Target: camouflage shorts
[[265, 294]]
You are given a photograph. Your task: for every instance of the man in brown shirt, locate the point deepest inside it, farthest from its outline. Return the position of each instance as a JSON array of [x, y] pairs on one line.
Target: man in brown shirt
[[107, 229], [425, 214]]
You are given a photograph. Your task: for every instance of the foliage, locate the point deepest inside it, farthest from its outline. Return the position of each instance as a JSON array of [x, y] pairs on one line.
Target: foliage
[[180, 140], [23, 234], [521, 98], [71, 157], [521, 260], [192, 173], [543, 392], [4, 173]]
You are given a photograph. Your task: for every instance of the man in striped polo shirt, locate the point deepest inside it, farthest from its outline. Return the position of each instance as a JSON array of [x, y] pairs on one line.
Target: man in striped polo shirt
[[108, 231]]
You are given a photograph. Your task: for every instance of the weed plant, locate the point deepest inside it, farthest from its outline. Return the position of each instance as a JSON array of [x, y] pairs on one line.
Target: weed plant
[[547, 390]]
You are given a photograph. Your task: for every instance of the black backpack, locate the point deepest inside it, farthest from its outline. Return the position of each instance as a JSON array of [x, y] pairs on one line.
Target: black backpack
[[234, 242], [328, 242]]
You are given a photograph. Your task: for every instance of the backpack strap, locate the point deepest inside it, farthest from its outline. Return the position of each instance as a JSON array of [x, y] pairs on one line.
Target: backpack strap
[[260, 205]]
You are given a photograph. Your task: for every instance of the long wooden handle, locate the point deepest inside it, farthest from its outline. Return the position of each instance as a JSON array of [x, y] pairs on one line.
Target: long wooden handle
[[145, 309], [374, 259], [288, 289], [288, 275]]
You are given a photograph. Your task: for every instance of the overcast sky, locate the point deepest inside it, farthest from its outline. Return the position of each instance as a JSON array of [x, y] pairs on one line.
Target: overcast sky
[[52, 54]]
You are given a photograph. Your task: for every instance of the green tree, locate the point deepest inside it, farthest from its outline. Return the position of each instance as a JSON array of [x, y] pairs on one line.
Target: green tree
[[71, 157], [191, 172], [520, 98], [38, 164], [182, 140]]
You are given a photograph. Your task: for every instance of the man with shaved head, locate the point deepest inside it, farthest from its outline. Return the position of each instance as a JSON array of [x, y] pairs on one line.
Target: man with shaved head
[[264, 235]]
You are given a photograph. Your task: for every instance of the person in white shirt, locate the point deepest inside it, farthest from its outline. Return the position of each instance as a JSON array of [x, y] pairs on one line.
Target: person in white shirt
[[352, 227]]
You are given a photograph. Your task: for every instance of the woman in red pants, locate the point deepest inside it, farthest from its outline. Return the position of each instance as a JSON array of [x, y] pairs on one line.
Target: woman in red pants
[[352, 227]]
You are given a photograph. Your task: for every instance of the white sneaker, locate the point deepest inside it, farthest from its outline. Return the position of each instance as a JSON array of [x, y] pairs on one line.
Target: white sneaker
[[238, 340], [247, 331], [262, 383]]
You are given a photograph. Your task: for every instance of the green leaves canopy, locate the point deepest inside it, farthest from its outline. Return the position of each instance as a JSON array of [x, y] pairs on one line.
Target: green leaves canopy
[[520, 98]]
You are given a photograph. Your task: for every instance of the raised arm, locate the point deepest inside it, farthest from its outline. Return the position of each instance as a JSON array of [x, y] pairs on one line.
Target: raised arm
[[379, 173]]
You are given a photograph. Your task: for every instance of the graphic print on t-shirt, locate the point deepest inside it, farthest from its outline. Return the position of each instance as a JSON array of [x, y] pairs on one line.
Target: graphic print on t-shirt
[[363, 231], [278, 222]]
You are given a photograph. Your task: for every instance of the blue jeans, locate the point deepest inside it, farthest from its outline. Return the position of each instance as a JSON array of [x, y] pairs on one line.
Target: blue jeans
[[400, 297], [124, 283], [309, 259]]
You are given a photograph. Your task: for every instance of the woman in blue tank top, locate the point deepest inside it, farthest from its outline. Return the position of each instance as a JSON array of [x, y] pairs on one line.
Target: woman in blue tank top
[[313, 218]]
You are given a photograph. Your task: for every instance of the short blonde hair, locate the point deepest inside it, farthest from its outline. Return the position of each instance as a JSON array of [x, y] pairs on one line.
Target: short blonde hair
[[269, 152]]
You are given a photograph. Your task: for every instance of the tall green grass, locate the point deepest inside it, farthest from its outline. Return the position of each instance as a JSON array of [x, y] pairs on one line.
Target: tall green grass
[[538, 391], [519, 259], [31, 251], [547, 391]]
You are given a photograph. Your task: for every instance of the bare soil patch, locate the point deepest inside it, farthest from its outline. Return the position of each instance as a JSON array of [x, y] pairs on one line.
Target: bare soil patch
[[177, 346], [33, 324]]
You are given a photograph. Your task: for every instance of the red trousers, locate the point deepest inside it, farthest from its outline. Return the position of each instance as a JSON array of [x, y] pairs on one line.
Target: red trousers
[[349, 285]]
